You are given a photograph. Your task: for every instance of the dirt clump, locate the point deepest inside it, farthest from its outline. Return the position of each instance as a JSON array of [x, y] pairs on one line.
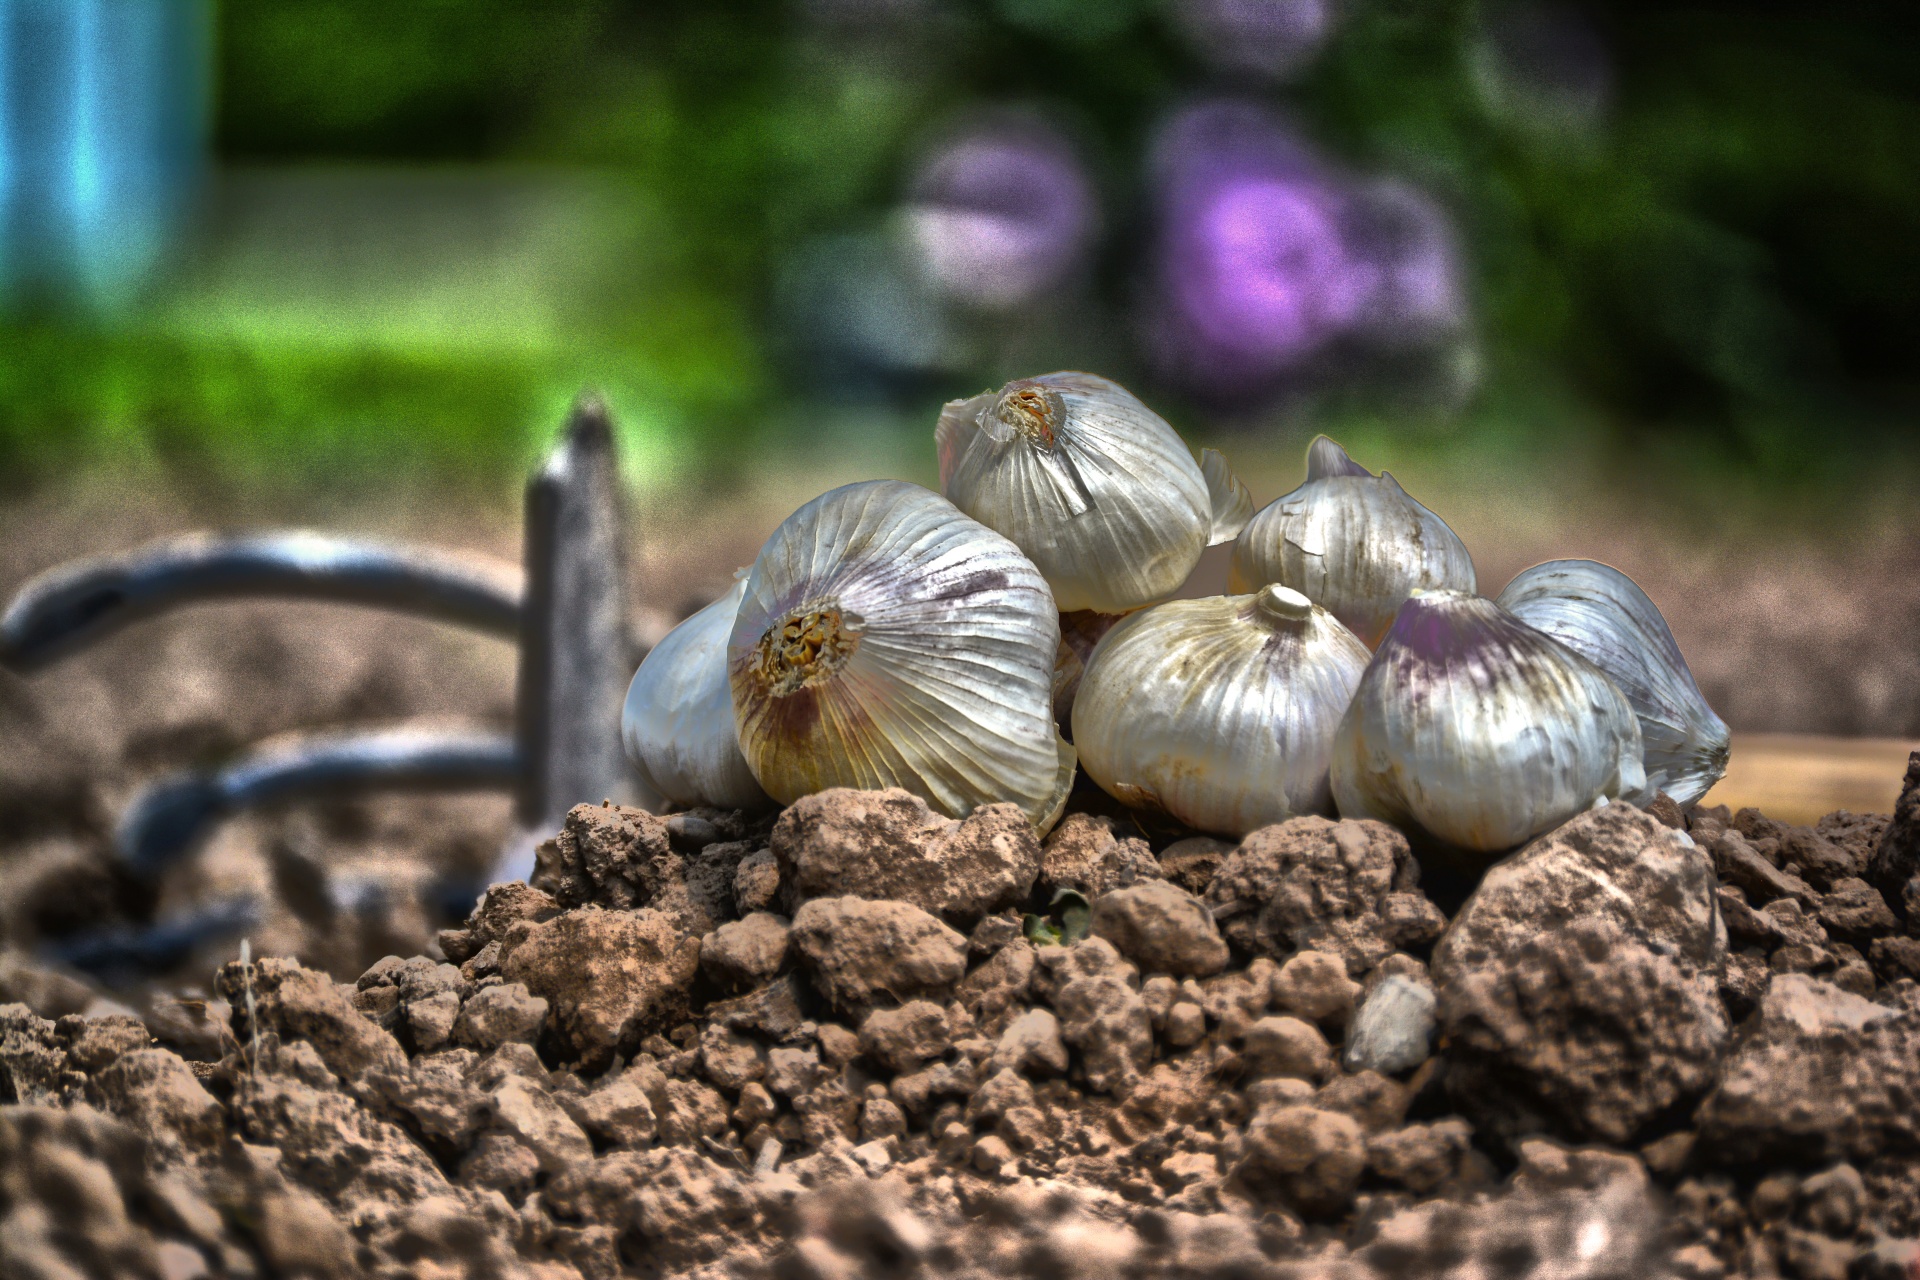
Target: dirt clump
[[1615, 1062]]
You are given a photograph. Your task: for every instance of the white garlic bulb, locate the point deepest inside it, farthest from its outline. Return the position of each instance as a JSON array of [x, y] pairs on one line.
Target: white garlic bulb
[[1603, 615], [1092, 485], [1220, 712], [886, 640], [677, 722], [1351, 541], [1475, 731]]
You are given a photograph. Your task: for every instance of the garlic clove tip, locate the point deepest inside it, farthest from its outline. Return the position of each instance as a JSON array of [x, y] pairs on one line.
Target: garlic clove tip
[[1229, 497]]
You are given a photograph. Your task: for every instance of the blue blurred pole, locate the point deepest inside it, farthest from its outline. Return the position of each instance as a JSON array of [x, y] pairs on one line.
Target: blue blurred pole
[[103, 122]]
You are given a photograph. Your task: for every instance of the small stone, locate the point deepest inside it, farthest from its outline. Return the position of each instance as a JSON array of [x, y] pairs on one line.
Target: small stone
[[1597, 944], [1393, 1032], [1667, 1157], [755, 1105], [1833, 1201], [1311, 883], [1281, 1046], [793, 1071], [1896, 958], [1159, 992], [1420, 1157], [991, 934], [691, 833], [1819, 1074], [1312, 1159], [1811, 1256], [301, 1004], [771, 1010], [495, 1015], [1744, 983], [756, 882], [746, 952], [1191, 863], [1186, 1024], [92, 1043], [1094, 855], [902, 1039], [1738, 862], [1101, 1014], [1032, 1045], [1314, 985], [1666, 811], [874, 1157], [1376, 1102], [609, 977], [621, 1111], [1162, 928], [863, 953], [1854, 911], [838, 1046], [881, 1118], [991, 1155], [890, 844], [531, 1116], [731, 1060]]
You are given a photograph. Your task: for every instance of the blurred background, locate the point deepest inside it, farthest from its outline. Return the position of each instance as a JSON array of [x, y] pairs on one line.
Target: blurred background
[[1625, 280]]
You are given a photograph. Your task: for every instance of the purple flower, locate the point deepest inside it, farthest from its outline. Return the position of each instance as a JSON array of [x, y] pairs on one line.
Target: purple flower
[[1265, 39], [1253, 269], [1266, 257], [999, 212]]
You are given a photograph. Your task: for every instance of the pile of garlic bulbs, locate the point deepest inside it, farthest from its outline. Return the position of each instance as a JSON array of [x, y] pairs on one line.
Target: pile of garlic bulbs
[[890, 636]]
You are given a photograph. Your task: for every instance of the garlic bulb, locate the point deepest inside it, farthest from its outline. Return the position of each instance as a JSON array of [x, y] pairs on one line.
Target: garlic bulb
[[1475, 731], [1351, 541], [886, 640], [1220, 711], [677, 723], [1602, 615], [1091, 484]]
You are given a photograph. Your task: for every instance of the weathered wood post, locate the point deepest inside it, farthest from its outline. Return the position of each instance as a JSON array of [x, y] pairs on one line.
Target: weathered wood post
[[573, 630]]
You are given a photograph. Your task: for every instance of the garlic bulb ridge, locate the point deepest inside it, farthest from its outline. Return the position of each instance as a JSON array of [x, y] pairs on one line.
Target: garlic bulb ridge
[[1478, 732], [886, 640], [1351, 541], [1098, 491], [1220, 712], [677, 722], [1602, 615]]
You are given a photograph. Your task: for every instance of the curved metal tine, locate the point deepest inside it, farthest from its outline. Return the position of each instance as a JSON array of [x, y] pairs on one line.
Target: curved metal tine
[[122, 955], [173, 815], [75, 604]]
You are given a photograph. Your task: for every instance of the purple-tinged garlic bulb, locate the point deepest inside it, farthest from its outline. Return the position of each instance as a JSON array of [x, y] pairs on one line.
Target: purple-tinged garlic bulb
[[886, 640], [1352, 542], [1475, 731], [1603, 615]]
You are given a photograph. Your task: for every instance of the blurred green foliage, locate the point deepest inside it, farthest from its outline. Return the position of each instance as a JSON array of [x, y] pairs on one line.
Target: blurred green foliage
[[1724, 270]]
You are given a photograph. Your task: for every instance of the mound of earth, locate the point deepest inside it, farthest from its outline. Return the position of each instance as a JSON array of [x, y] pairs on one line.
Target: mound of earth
[[834, 1043]]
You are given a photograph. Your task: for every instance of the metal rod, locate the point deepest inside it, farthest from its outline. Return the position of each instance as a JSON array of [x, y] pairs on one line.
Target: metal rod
[[76, 604], [171, 816]]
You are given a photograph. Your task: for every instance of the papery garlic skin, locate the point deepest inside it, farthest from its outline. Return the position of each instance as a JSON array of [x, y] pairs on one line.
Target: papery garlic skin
[[1352, 542], [1101, 494], [1603, 615], [886, 640], [1221, 712], [1472, 730], [677, 721]]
